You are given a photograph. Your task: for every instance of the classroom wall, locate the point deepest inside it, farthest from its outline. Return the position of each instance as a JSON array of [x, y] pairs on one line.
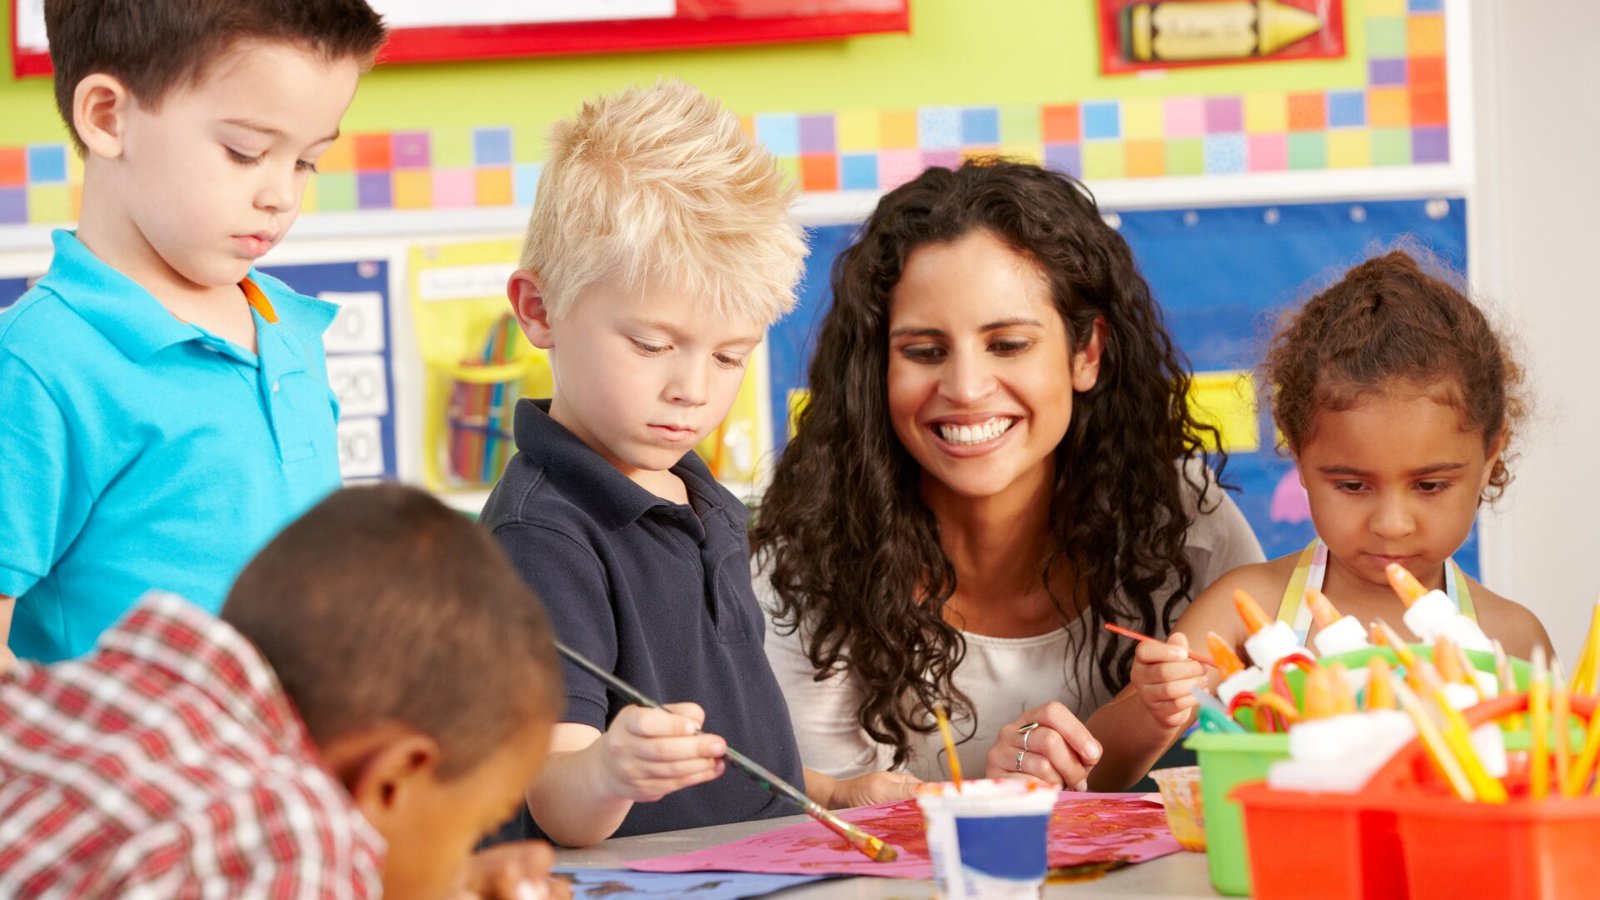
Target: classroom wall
[[1537, 106], [436, 153]]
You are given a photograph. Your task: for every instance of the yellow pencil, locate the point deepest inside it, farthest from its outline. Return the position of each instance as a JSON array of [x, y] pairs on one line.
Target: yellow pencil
[[1458, 738], [949, 744], [1384, 636], [1508, 684], [1433, 742], [1539, 725], [1560, 720], [1583, 766], [1587, 673]]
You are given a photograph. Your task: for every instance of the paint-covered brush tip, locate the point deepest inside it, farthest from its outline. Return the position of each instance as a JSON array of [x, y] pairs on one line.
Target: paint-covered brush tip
[[882, 852]]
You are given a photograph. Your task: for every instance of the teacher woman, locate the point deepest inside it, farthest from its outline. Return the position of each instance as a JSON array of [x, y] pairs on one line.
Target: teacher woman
[[996, 458]]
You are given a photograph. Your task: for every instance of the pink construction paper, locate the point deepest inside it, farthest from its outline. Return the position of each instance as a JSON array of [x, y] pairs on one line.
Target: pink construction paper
[[1085, 828]]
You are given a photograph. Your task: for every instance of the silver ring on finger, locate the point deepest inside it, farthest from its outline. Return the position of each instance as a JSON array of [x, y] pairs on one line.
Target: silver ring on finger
[[1027, 731], [1020, 755]]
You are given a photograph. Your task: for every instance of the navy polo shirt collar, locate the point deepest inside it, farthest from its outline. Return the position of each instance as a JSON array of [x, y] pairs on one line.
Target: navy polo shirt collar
[[614, 499], [132, 318]]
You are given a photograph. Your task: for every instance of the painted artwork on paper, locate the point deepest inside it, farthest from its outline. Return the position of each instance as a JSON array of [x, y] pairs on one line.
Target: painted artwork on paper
[[597, 883], [1085, 829]]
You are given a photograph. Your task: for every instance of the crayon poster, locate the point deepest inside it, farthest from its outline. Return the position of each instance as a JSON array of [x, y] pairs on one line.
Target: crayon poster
[[1138, 35], [1221, 275]]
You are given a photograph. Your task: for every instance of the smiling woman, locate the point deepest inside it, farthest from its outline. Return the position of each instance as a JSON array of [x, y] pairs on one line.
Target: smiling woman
[[997, 458]]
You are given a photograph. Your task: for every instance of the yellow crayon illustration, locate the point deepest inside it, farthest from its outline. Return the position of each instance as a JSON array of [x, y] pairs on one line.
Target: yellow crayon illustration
[[1192, 30]]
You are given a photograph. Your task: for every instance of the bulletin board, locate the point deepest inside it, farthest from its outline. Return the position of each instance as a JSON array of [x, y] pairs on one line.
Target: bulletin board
[[360, 359], [1221, 275], [11, 289], [359, 352]]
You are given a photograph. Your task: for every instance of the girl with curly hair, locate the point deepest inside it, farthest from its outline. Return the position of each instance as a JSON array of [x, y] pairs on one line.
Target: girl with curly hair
[[1397, 399], [997, 458]]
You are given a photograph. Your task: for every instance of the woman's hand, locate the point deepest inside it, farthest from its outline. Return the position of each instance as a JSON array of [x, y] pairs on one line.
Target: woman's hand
[[1164, 678], [1048, 743], [862, 790], [874, 788]]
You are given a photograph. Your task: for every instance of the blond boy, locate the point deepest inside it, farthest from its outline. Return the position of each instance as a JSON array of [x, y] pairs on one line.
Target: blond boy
[[659, 250]]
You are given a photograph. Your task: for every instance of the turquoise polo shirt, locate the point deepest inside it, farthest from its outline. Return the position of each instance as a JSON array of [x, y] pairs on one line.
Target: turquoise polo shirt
[[139, 452]]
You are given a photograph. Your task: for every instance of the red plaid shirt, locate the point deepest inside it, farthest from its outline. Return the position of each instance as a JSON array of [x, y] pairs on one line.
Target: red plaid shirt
[[169, 763]]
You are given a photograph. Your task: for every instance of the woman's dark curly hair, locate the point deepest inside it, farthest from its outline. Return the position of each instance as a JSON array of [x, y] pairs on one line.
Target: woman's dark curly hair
[[852, 550], [1386, 321]]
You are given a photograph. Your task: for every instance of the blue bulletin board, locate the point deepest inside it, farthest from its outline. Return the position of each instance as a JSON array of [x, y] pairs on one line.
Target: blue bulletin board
[[360, 362], [1221, 275], [11, 289]]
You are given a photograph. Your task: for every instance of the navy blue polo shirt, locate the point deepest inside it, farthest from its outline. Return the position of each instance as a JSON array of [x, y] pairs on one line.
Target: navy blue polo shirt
[[655, 591]]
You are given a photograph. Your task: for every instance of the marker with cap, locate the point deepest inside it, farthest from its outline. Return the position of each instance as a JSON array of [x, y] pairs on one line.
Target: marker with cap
[[1269, 640], [1335, 633], [1236, 678], [1432, 613]]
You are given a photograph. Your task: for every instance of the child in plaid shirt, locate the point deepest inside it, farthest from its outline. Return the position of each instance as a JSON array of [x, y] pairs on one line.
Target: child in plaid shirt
[[377, 694]]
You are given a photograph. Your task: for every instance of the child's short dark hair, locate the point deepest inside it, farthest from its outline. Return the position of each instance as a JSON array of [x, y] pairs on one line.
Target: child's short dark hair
[[153, 46], [1388, 321], [380, 605]]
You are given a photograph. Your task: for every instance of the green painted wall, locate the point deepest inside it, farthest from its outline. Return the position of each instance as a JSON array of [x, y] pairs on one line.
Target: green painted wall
[[959, 52]]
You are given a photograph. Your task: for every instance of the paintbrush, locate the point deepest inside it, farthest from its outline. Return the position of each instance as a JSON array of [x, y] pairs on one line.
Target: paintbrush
[[1130, 633], [949, 744], [872, 846]]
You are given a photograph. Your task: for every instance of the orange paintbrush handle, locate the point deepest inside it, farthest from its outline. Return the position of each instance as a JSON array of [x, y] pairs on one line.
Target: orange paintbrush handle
[[1127, 632]]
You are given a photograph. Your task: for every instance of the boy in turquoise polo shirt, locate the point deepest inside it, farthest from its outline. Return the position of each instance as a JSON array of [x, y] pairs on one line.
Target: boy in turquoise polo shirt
[[166, 408]]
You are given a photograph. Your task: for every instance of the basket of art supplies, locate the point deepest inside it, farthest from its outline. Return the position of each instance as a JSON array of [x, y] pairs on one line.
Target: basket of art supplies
[[1246, 726], [1436, 817]]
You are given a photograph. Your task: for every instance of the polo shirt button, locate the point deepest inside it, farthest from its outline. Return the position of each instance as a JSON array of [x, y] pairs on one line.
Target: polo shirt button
[[274, 387]]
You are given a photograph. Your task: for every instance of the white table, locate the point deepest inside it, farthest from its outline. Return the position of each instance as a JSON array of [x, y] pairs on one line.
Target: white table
[[1181, 875]]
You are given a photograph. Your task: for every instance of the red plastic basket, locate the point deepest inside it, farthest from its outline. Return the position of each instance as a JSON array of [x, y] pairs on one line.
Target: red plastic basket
[[1406, 836]]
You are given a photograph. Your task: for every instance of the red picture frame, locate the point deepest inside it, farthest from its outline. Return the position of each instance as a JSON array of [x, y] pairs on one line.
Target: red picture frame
[[696, 23]]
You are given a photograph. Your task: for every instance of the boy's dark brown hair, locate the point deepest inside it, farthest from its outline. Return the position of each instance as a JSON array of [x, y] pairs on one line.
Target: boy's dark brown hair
[[383, 605], [152, 46], [1388, 322]]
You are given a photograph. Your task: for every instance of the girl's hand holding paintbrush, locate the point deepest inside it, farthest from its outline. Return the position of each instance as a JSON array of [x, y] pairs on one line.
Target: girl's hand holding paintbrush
[[1165, 675]]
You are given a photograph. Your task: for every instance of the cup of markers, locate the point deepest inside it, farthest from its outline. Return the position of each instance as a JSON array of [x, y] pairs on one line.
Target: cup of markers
[[987, 837]]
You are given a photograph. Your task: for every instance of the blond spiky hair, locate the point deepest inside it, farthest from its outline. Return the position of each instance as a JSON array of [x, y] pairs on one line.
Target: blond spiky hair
[[659, 184]]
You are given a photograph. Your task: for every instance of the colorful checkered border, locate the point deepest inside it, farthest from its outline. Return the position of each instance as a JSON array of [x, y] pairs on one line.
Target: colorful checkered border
[[1400, 118]]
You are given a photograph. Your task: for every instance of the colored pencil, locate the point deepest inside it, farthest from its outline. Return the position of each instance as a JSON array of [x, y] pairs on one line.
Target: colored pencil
[[1129, 633], [1539, 724], [871, 846], [1433, 741]]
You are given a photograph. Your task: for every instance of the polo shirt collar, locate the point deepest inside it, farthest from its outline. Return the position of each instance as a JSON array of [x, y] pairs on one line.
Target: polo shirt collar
[[135, 321], [614, 499]]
